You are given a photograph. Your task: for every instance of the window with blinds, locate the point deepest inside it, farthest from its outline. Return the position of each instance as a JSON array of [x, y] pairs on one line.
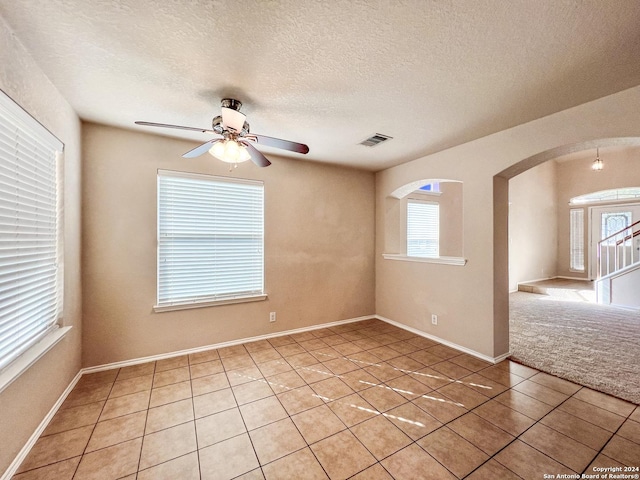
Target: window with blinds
[[576, 239], [210, 239], [30, 286], [423, 229]]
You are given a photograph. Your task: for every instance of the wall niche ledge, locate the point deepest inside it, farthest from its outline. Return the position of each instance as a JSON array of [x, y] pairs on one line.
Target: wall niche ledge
[[459, 261]]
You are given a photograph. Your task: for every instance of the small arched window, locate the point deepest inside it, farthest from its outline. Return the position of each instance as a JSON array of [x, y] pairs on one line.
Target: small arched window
[[614, 194]]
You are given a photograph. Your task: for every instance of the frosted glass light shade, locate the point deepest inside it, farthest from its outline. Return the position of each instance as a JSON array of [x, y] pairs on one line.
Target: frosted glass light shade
[[597, 165], [230, 151]]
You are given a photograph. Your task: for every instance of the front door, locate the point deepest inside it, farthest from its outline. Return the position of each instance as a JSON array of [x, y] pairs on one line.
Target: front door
[[605, 221]]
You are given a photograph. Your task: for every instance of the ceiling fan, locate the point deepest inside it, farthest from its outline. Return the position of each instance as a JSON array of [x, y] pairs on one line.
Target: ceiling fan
[[235, 146]]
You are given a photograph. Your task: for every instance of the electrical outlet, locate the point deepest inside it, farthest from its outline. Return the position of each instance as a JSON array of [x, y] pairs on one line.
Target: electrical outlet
[[434, 319], [272, 316]]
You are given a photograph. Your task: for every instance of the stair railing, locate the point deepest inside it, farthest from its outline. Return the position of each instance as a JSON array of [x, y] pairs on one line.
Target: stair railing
[[619, 250]]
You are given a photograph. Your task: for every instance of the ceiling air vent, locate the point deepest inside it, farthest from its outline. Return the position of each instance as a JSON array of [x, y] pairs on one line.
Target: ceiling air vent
[[374, 140]]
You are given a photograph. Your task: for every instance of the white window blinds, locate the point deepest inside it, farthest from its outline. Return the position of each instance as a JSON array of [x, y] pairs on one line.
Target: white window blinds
[[30, 288], [423, 229], [576, 239], [210, 238]]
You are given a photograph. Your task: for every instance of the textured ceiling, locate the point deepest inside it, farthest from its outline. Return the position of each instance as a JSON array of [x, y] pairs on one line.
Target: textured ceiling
[[430, 73]]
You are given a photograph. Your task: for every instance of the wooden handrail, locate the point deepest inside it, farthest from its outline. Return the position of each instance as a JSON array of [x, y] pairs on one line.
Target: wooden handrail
[[619, 232], [628, 237]]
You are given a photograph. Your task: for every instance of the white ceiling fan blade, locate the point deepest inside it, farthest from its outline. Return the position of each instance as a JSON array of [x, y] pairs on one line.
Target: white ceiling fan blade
[[165, 125], [279, 143], [256, 157], [233, 119], [201, 149]]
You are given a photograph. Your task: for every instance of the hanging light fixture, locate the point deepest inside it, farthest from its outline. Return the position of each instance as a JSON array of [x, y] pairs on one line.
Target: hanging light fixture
[[230, 151], [597, 163]]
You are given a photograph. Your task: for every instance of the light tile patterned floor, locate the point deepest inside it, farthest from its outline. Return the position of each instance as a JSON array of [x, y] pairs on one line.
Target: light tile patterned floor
[[364, 400]]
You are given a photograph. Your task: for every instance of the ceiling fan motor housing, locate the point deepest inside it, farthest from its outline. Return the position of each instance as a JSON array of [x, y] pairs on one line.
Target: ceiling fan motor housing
[[231, 103], [216, 124], [218, 127]]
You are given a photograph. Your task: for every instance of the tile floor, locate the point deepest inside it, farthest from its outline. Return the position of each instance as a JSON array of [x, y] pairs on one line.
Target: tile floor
[[364, 400]]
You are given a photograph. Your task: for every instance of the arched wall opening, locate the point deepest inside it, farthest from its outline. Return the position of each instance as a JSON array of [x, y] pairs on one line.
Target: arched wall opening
[[472, 301], [447, 196], [502, 284]]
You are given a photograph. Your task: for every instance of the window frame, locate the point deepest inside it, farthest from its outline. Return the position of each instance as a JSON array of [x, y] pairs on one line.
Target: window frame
[[613, 195], [577, 240], [212, 298], [402, 195], [433, 190], [420, 201], [30, 147]]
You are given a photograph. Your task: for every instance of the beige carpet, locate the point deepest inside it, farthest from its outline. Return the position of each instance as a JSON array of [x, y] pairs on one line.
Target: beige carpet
[[593, 345]]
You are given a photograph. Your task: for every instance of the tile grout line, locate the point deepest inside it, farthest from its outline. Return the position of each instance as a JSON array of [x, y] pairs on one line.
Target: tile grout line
[[195, 423], [560, 433], [489, 399], [497, 426], [347, 428], [611, 438], [296, 426], [362, 337], [242, 416], [445, 424], [146, 418], [516, 438], [383, 383], [95, 425], [586, 421]]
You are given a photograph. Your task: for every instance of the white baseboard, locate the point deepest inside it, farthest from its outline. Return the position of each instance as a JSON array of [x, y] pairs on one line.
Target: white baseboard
[[581, 279], [536, 280], [45, 422], [479, 355], [502, 357], [10, 472], [162, 356]]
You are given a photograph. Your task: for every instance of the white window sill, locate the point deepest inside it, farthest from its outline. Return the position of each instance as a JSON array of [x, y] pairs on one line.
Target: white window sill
[[31, 356], [211, 303], [441, 260]]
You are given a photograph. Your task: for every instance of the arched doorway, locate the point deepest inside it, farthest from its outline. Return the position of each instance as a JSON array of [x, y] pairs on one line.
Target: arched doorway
[[551, 316]]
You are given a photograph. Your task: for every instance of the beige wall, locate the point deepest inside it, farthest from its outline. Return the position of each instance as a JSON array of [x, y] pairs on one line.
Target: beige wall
[[451, 237], [26, 401], [575, 177], [533, 225], [472, 301], [319, 240]]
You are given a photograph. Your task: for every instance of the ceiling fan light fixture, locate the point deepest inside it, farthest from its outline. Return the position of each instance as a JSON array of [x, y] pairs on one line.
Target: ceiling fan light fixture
[[230, 151]]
